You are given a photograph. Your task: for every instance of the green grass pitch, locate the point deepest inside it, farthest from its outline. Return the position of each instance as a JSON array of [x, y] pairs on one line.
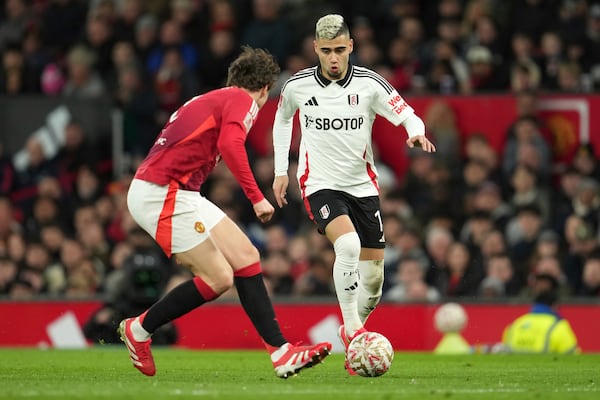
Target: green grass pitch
[[104, 372]]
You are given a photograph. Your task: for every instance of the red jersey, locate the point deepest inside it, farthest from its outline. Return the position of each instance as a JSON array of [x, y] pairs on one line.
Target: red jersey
[[207, 128]]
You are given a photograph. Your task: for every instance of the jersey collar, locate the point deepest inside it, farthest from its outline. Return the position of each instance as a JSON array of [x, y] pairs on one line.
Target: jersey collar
[[342, 82]]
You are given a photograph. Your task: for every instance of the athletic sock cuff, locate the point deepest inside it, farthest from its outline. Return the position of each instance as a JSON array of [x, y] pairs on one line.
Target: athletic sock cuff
[[205, 291], [248, 271]]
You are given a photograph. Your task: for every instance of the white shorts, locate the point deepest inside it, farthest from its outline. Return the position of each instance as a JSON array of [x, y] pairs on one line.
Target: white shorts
[[177, 219]]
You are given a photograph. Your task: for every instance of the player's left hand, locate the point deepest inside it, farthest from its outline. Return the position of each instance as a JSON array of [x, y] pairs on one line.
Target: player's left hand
[[422, 142]]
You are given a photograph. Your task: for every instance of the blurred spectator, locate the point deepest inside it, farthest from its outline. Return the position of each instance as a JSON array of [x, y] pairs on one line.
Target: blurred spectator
[[437, 242], [8, 274], [96, 247], [569, 77], [221, 50], [87, 187], [38, 165], [440, 120], [277, 271], [52, 79], [491, 288], [409, 283], [563, 195], [138, 102], [16, 76], [7, 173], [499, 267], [83, 82], [17, 19], [478, 224], [524, 75], [526, 144], [548, 265], [485, 74], [477, 147], [45, 210], [62, 23], [223, 16], [174, 82], [16, 246], [269, 29], [82, 281], [32, 270], [591, 42], [492, 243], [591, 275], [447, 72], [123, 55], [145, 38], [405, 65], [172, 41], [586, 162], [316, 280], [98, 38], [191, 16], [474, 174], [533, 17], [128, 13], [521, 234], [459, 278], [586, 202], [551, 48], [581, 242], [526, 190], [75, 152], [488, 198], [52, 234], [548, 245]]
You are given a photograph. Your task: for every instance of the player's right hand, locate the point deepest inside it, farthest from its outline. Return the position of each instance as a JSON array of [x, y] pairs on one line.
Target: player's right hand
[[264, 210], [280, 185]]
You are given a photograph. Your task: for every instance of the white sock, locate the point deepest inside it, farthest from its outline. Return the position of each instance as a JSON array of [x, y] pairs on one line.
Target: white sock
[[345, 278], [370, 287], [139, 333]]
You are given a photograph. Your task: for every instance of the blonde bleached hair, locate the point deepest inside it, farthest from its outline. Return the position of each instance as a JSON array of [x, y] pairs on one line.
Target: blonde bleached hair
[[331, 26]]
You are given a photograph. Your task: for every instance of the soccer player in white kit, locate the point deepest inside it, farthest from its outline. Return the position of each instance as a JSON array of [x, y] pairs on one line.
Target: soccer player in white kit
[[337, 104]]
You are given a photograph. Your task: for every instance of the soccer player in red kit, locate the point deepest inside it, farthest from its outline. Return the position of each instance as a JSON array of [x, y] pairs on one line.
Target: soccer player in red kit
[[164, 199]]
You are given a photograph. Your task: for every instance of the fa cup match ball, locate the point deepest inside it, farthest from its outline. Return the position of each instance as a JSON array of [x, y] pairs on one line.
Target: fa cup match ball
[[370, 354], [450, 318]]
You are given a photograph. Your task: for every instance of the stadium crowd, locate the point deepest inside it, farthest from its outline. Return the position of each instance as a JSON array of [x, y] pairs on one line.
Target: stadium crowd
[[468, 221]]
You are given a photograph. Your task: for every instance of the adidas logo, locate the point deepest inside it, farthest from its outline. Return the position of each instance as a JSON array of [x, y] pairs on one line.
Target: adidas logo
[[311, 102]]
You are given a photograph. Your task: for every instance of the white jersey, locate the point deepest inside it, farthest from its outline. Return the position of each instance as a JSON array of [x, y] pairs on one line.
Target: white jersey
[[336, 118]]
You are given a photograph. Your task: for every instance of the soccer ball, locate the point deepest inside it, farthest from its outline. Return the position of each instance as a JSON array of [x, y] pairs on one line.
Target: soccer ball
[[370, 354], [450, 318]]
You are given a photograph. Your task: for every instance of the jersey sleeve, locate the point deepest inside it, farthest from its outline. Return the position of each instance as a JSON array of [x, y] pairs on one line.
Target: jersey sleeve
[[388, 103], [238, 117], [563, 339], [282, 130]]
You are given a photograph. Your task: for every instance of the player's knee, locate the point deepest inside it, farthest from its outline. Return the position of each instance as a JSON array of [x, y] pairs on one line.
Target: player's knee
[[247, 255], [347, 247], [222, 281]]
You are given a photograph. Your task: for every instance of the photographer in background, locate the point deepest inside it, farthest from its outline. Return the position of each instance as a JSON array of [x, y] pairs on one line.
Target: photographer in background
[[140, 281]]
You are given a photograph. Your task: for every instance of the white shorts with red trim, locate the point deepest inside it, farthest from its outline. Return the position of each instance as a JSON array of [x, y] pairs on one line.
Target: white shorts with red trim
[[177, 219]]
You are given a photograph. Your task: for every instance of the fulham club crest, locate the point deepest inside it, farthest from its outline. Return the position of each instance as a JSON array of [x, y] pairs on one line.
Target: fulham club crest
[[324, 211], [353, 100]]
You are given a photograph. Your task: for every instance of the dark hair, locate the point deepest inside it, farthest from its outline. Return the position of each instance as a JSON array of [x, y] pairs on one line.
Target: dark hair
[[548, 296], [253, 69]]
